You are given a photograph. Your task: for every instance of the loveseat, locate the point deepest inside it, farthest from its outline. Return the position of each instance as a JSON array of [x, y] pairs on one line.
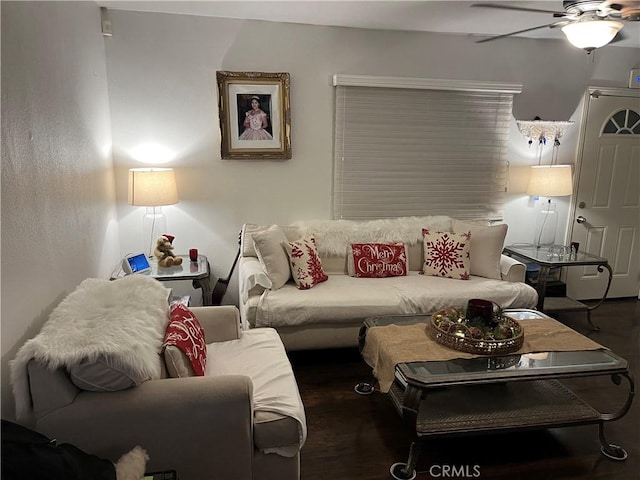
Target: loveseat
[[243, 419], [331, 313]]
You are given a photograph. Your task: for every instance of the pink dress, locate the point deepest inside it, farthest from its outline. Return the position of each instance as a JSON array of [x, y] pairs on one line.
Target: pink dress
[[255, 130]]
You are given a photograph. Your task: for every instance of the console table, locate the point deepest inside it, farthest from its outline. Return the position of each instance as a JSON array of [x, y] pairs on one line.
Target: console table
[[548, 258]]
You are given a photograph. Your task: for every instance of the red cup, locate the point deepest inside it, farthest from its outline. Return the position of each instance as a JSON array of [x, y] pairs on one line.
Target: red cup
[[193, 254]]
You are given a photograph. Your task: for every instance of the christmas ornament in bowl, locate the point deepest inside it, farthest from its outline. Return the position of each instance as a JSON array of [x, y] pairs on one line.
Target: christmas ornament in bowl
[[481, 328]]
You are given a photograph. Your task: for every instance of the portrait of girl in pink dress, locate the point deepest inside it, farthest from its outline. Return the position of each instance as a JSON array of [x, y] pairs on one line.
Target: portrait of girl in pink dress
[[256, 122]]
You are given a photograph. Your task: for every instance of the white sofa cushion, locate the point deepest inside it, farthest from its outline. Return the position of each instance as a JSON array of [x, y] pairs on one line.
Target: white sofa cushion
[[344, 298], [269, 246], [485, 247]]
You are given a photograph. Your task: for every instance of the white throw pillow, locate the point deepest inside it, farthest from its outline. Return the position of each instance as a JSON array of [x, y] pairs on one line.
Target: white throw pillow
[[486, 247], [269, 245]]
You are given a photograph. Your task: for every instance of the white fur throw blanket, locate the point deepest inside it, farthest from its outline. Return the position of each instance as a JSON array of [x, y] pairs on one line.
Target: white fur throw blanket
[[334, 236], [124, 319]]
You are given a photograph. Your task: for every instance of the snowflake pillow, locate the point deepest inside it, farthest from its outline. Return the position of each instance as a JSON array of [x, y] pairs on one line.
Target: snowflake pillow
[[306, 267], [446, 254]]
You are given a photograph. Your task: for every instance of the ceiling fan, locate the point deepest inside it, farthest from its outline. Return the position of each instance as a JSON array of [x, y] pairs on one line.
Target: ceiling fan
[[587, 24]]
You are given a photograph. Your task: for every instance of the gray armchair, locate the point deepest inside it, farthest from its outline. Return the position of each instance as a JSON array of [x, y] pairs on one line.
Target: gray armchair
[[202, 427]]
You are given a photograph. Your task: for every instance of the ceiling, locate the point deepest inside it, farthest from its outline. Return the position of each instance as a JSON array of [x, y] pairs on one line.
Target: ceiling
[[455, 16]]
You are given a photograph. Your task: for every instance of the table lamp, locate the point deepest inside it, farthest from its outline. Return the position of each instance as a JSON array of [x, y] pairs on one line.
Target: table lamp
[[152, 188], [548, 181]]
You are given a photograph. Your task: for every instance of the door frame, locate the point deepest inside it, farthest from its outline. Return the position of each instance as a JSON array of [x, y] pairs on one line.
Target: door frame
[[589, 91]]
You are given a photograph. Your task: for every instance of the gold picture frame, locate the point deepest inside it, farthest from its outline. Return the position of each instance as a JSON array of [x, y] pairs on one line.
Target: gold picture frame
[[255, 115]]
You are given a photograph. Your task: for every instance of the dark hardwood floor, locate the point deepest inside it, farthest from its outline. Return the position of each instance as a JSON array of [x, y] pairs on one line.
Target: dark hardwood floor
[[359, 437]]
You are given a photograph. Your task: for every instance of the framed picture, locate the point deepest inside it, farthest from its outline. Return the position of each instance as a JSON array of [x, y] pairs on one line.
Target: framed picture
[[255, 118]]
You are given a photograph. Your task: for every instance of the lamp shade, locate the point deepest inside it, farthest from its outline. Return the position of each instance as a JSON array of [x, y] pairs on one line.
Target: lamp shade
[[152, 187], [550, 181], [591, 33]]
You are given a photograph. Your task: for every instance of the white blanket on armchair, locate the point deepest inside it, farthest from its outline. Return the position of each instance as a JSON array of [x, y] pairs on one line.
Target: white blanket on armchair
[[260, 355], [124, 319]]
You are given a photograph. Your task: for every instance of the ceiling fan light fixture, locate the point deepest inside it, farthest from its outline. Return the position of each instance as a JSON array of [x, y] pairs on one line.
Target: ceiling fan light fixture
[[590, 34]]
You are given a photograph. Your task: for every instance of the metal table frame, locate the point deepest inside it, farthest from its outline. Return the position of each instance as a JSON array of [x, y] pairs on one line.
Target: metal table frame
[[546, 261], [555, 404]]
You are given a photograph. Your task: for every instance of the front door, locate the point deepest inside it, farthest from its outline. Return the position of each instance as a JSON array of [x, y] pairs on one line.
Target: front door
[[606, 209]]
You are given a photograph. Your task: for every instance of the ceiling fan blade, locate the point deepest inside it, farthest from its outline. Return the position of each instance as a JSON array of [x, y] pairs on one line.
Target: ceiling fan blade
[[488, 39], [520, 9]]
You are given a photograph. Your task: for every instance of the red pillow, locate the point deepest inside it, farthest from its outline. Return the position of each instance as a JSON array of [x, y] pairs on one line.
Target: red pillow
[[184, 331], [376, 260]]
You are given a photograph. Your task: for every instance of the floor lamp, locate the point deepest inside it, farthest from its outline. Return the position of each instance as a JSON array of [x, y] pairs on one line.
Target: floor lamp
[[152, 188], [548, 181]]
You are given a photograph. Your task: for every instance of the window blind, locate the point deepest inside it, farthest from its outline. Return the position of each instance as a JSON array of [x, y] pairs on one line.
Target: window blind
[[405, 152]]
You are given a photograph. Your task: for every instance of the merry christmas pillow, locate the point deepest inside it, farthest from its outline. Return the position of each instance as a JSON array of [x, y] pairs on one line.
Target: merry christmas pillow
[[185, 350], [306, 267], [446, 254], [377, 260]]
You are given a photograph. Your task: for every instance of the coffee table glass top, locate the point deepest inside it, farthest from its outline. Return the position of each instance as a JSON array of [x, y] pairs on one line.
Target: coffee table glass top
[[491, 369]]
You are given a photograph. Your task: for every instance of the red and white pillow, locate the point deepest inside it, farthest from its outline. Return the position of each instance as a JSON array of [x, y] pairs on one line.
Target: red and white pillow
[[184, 337], [306, 267], [377, 260], [446, 254]]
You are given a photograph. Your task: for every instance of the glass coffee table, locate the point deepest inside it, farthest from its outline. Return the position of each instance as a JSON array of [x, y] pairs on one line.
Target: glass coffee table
[[497, 393]]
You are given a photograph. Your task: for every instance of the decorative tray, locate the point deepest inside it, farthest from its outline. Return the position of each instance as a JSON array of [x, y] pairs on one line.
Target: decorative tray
[[450, 328]]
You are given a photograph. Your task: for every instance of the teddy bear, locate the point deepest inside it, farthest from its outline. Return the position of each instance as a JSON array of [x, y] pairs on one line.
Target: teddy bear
[[164, 252]]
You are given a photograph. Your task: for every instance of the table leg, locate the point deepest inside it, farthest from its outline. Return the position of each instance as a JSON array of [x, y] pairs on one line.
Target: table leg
[[407, 471], [365, 388], [410, 407], [610, 450], [606, 292], [204, 284], [542, 286]]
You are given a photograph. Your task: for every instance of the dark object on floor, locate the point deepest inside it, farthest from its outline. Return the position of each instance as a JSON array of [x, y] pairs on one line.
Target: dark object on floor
[[29, 454]]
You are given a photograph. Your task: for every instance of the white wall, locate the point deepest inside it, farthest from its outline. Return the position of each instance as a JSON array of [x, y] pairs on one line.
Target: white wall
[[162, 88], [59, 222]]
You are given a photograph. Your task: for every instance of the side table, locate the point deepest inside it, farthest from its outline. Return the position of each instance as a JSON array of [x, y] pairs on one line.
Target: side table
[[547, 259], [198, 272]]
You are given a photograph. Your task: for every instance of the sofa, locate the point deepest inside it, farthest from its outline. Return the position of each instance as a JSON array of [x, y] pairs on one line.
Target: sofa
[[330, 314], [243, 419]]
